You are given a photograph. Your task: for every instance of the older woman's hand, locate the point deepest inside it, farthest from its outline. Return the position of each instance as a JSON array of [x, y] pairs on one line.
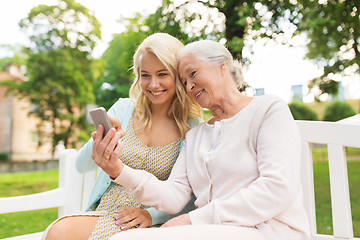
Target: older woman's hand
[[183, 219], [106, 151], [129, 217]]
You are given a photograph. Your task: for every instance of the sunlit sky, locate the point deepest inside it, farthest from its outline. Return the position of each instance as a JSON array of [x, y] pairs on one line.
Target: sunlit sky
[[274, 67]]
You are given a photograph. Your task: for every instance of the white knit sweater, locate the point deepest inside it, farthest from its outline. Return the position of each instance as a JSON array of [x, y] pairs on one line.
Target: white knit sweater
[[244, 171]]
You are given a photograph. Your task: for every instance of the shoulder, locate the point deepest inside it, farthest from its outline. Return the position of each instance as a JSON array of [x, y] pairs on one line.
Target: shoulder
[[267, 103], [194, 122], [273, 110], [268, 100], [123, 103], [121, 106], [195, 130]]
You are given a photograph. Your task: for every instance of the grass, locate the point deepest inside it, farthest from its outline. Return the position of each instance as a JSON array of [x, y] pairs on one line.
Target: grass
[[320, 154], [13, 184], [27, 183], [14, 224], [322, 196]]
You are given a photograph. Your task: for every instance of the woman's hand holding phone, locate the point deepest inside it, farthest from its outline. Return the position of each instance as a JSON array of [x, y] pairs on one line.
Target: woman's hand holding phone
[[106, 151], [115, 123]]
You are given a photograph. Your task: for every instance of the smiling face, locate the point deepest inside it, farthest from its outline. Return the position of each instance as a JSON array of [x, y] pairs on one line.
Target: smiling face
[[156, 80], [202, 80]]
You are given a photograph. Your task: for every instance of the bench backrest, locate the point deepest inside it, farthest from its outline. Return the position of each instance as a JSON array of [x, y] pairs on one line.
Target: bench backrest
[[336, 136], [70, 197], [74, 188], [79, 184]]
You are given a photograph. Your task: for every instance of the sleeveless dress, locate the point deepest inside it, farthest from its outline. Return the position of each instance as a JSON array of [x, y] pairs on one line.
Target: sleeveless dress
[[135, 154], [156, 160]]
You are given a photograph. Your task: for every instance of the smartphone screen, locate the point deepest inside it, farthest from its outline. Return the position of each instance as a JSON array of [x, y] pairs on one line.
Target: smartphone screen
[[100, 117]]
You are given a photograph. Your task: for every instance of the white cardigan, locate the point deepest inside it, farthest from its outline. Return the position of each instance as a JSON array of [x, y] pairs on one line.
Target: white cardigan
[[244, 171]]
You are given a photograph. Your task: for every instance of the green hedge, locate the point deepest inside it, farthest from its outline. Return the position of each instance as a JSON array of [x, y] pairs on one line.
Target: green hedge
[[4, 157], [301, 111], [337, 110]]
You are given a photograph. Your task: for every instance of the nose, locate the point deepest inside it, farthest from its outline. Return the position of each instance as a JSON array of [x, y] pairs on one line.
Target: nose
[[190, 85], [154, 82]]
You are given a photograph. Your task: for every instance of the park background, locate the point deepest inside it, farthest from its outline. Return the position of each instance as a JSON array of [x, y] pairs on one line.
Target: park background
[[62, 58]]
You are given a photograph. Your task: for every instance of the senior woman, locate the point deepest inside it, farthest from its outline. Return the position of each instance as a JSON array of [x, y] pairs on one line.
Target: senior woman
[[242, 164]]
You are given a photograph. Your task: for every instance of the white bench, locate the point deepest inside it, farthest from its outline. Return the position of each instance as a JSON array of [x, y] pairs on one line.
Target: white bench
[[74, 188], [70, 197]]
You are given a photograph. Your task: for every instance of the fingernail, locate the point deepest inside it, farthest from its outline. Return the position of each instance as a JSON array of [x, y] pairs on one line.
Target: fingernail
[[117, 217], [118, 222], [123, 227]]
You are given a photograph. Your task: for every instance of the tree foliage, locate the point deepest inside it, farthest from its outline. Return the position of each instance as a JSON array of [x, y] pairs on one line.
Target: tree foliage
[[332, 28], [118, 58], [19, 56], [118, 75], [59, 73]]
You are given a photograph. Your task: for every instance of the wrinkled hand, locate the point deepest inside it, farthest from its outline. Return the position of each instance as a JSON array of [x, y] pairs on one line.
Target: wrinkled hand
[[106, 151], [129, 217], [183, 219]]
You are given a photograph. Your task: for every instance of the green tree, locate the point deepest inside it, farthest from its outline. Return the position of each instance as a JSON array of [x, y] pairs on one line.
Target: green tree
[[19, 56], [59, 67], [118, 58], [332, 28]]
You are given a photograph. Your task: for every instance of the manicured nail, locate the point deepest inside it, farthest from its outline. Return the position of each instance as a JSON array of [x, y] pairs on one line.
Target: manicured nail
[[117, 217], [122, 227], [118, 223]]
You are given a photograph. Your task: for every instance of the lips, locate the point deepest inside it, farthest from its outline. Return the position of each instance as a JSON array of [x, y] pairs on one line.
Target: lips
[[199, 93], [157, 93]]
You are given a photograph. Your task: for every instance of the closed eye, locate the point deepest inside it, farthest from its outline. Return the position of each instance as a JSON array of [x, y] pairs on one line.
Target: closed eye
[[144, 75], [163, 74], [193, 73]]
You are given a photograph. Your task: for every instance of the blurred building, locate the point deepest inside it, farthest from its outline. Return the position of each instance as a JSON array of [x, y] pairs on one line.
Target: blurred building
[[297, 93], [259, 91], [18, 135]]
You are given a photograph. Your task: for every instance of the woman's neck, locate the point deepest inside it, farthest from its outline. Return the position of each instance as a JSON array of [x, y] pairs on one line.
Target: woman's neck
[[159, 111], [229, 105]]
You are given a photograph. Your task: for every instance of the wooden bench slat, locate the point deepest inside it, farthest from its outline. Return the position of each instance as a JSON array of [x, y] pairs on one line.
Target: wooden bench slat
[[89, 180], [308, 184], [330, 133], [48, 199], [340, 197], [31, 236]]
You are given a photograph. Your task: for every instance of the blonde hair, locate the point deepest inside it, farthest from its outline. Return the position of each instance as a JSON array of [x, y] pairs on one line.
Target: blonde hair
[[183, 108], [217, 54]]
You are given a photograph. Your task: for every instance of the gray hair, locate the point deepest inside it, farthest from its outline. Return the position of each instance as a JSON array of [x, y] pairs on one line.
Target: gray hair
[[214, 53]]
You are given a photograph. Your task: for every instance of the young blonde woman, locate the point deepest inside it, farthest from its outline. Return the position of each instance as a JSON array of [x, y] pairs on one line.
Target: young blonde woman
[[154, 122]]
